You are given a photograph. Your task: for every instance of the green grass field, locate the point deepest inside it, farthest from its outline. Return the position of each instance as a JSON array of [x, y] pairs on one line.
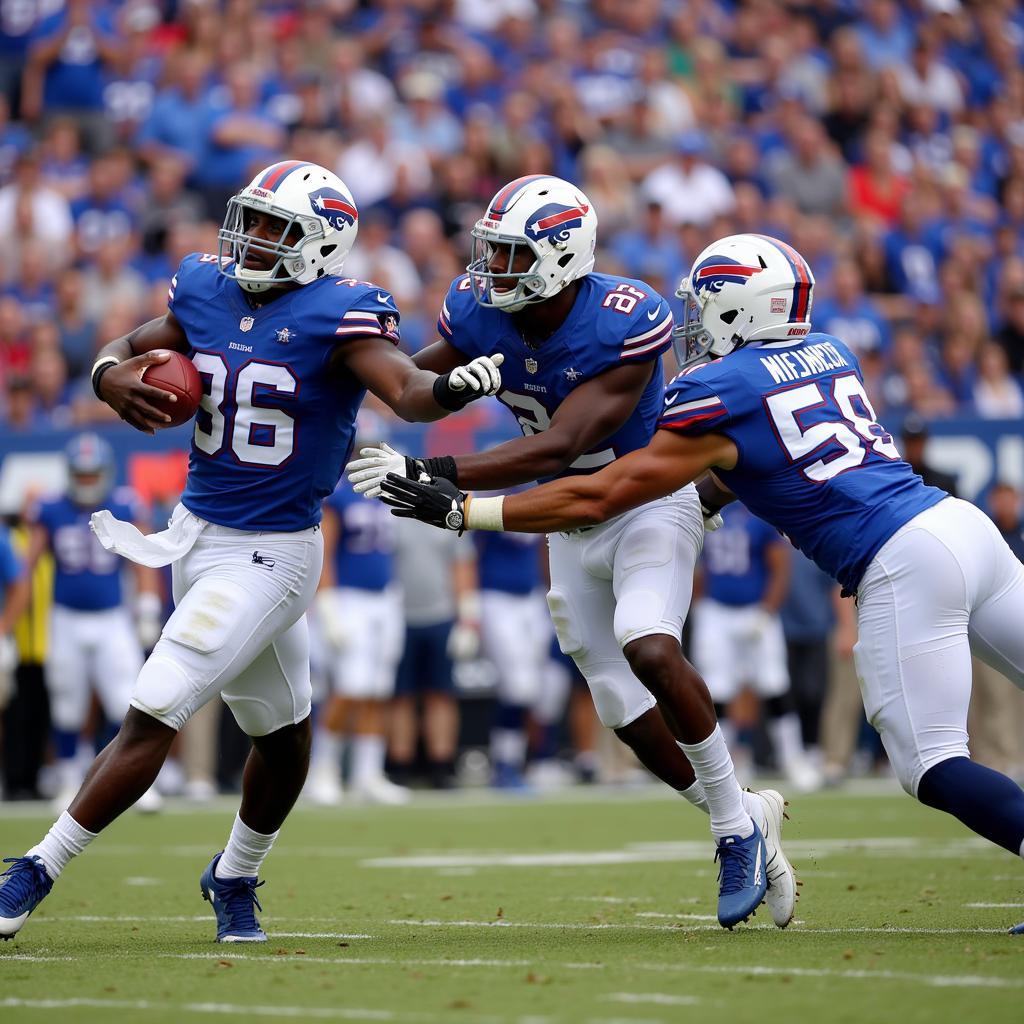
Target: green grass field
[[583, 907]]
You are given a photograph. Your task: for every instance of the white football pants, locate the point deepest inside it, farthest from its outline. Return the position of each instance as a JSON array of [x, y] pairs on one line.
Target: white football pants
[[515, 633], [628, 578], [943, 585], [239, 629], [86, 651], [375, 628]]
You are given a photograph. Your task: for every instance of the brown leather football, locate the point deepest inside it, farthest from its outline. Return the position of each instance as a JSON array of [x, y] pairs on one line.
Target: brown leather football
[[179, 377]]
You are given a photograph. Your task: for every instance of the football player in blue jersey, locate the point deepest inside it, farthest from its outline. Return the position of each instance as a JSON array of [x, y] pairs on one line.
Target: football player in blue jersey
[[96, 642], [286, 349], [583, 376], [782, 419]]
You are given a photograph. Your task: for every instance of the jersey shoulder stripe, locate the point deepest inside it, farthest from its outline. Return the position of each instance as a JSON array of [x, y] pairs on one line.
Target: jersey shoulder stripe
[[648, 341]]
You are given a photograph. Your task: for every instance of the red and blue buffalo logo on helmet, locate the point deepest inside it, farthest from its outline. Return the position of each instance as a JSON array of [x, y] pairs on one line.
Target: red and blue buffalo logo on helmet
[[333, 207], [554, 221], [716, 271]]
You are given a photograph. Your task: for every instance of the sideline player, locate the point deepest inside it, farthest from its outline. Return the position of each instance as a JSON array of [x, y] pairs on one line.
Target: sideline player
[[515, 634], [786, 424], [583, 376], [737, 633], [94, 641], [359, 608], [265, 321]]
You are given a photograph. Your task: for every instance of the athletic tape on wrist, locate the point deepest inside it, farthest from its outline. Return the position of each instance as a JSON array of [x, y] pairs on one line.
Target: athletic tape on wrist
[[485, 513]]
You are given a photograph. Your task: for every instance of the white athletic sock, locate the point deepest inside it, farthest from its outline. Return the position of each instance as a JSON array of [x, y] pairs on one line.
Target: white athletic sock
[[245, 851], [713, 767], [66, 839], [1022, 849], [787, 738], [696, 795], [367, 759], [327, 747], [751, 801], [508, 746]]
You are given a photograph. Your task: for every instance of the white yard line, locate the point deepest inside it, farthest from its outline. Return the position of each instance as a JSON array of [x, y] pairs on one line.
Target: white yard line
[[658, 998], [301, 1012], [848, 974], [995, 906], [320, 935], [29, 958], [674, 852]]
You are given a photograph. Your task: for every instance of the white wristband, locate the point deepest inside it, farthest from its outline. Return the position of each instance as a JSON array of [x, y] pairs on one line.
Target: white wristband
[[485, 513]]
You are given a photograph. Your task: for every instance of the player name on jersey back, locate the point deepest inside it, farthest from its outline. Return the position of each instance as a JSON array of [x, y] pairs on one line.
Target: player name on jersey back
[[803, 362]]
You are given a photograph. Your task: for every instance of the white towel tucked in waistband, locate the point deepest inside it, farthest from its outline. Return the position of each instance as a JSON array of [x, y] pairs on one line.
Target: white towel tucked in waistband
[[154, 549]]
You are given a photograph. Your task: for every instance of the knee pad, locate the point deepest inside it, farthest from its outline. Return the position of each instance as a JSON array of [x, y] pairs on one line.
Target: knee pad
[[256, 716], [641, 613], [164, 689], [619, 697], [570, 639]]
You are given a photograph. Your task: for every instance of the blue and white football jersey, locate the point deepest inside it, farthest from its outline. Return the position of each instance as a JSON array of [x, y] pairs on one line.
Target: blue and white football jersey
[[614, 321], [364, 557], [86, 576], [275, 426], [508, 562], [735, 557], [813, 461]]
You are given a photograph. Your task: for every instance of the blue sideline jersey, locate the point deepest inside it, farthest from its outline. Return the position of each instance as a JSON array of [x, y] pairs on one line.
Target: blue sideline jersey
[[735, 557], [364, 557], [614, 321], [813, 461], [509, 562], [276, 425], [86, 577]]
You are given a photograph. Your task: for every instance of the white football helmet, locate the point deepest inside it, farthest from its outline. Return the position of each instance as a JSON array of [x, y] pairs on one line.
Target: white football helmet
[[743, 288], [550, 217], [302, 194]]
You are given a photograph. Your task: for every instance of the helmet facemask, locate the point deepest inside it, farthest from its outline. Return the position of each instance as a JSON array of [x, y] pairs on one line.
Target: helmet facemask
[[235, 244], [691, 340], [528, 285]]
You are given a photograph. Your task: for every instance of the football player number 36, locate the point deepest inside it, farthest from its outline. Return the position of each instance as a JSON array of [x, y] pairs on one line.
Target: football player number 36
[[854, 430], [256, 434]]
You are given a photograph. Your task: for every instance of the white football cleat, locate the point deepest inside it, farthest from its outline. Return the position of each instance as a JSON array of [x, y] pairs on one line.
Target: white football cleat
[[150, 802], [380, 790], [323, 787], [782, 883]]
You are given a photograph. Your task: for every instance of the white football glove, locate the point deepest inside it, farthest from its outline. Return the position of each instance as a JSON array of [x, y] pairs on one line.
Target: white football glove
[[333, 622], [480, 374], [149, 618], [366, 473]]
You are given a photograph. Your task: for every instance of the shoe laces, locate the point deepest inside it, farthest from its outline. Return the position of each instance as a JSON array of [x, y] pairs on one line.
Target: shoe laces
[[734, 859], [24, 881], [239, 897]]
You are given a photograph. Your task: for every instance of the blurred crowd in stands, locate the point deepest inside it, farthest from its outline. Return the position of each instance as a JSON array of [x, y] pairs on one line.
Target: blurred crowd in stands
[[884, 140]]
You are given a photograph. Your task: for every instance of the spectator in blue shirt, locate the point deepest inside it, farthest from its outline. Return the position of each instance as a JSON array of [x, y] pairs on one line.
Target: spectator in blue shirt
[[65, 72], [850, 314], [103, 212], [177, 122], [240, 138]]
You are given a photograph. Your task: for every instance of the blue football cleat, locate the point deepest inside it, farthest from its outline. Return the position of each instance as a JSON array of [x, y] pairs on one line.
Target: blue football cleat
[[742, 881], [1017, 929], [23, 886], [233, 900], [508, 777]]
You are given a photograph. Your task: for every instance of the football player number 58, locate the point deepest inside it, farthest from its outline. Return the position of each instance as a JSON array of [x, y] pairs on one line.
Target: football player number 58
[[854, 429], [256, 434]]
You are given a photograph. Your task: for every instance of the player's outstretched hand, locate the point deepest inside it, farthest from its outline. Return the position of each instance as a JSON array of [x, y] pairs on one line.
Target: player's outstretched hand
[[138, 404], [479, 378], [439, 503], [366, 473]]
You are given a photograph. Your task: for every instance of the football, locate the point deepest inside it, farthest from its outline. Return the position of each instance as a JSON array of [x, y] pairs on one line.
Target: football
[[178, 376]]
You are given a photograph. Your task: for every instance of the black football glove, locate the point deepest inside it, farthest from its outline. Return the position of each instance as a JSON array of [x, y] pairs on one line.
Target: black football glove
[[439, 503]]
